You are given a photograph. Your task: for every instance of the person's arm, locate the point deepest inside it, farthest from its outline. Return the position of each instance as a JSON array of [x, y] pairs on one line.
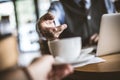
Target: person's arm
[[41, 69], [17, 74], [110, 6], [56, 9]]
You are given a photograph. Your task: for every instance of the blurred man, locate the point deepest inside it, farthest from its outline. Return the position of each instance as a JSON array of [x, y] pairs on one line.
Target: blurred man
[[69, 18]]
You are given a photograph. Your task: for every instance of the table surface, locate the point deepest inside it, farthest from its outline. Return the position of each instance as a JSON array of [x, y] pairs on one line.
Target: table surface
[[112, 64]]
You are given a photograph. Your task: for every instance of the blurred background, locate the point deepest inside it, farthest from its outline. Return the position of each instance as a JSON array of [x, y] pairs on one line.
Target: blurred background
[[19, 17]]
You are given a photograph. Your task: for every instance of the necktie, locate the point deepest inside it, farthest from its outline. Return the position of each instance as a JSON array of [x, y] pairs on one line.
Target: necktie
[[82, 6], [83, 11]]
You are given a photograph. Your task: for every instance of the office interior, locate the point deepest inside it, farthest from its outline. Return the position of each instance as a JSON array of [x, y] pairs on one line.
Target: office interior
[[19, 17]]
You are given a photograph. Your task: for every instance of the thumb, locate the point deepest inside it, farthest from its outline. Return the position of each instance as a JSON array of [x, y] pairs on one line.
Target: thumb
[[61, 27], [58, 30]]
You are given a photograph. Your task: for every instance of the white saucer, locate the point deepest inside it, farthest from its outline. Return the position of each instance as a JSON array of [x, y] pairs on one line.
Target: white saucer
[[82, 58]]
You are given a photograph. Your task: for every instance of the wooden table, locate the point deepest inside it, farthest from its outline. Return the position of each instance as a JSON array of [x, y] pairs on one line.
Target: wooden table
[[109, 70]]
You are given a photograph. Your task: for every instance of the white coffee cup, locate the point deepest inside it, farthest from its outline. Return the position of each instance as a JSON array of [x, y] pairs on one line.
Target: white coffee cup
[[67, 49]]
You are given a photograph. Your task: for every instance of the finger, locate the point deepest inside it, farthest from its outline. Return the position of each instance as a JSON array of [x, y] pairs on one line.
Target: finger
[[93, 36], [56, 31], [52, 33], [96, 39], [61, 27], [60, 71]]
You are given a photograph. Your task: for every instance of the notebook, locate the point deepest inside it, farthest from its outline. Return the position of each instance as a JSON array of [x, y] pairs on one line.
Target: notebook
[[109, 41]]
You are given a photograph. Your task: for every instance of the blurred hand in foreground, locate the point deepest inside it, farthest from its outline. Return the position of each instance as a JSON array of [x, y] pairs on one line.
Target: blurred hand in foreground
[[44, 69]]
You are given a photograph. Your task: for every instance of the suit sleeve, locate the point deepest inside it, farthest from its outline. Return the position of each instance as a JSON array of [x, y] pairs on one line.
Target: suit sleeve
[[110, 6], [57, 10]]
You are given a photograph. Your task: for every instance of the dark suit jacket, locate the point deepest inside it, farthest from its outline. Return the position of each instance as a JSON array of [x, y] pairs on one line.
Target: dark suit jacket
[[77, 21]]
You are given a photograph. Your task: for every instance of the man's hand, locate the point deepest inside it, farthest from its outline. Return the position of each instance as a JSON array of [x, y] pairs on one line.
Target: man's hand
[[48, 28], [94, 39], [44, 69]]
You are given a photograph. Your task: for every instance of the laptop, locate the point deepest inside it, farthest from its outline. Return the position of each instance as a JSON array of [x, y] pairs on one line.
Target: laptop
[[109, 41]]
